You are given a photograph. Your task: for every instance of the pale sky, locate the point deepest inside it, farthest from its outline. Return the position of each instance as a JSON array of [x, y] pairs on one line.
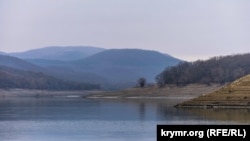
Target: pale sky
[[186, 29]]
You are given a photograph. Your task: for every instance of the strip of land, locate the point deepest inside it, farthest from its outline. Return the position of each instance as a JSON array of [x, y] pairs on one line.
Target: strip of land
[[41, 93], [155, 93]]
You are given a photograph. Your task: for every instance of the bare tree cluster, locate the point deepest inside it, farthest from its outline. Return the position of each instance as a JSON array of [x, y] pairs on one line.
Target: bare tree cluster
[[215, 70]]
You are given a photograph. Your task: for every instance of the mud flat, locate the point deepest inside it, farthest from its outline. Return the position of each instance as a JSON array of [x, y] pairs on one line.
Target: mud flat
[[233, 95]]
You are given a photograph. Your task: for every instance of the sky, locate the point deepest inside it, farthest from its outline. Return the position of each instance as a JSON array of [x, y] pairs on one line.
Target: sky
[[186, 29]]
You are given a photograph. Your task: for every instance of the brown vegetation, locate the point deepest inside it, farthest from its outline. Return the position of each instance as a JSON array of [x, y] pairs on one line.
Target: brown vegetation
[[234, 95], [215, 70]]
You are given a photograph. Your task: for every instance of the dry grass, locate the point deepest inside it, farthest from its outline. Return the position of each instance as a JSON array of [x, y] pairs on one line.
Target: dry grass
[[234, 95]]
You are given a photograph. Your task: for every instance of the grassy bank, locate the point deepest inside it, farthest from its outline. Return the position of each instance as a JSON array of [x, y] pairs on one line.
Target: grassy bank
[[234, 95]]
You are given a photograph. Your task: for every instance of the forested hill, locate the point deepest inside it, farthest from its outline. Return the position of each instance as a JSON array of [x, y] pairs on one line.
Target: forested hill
[[215, 70], [110, 68], [13, 78], [126, 65]]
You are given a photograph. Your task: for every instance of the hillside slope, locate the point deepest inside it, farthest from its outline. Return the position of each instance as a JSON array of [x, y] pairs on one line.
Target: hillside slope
[[112, 69], [130, 57], [222, 70], [233, 95], [13, 78], [17, 63], [126, 65]]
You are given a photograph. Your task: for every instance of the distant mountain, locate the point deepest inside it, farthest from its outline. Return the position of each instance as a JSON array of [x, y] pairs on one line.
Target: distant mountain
[[130, 57], [59, 53], [15, 71], [47, 63], [59, 69], [112, 69], [125, 66], [2, 53], [13, 78], [17, 63]]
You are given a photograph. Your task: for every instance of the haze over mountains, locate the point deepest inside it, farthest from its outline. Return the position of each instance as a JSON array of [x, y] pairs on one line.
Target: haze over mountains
[[126, 65], [2, 53], [13, 78], [16, 63], [59, 53], [111, 69]]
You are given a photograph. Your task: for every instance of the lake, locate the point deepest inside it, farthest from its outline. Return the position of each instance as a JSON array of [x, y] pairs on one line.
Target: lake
[[78, 119]]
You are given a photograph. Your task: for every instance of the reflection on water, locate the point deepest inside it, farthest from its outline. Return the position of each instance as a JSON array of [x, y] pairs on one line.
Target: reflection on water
[[67, 119], [241, 116]]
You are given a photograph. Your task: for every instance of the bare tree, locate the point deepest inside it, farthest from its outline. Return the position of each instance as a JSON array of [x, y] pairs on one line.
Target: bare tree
[[160, 80]]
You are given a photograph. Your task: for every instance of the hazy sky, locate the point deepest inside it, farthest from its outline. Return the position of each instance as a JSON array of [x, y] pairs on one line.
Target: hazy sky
[[187, 29]]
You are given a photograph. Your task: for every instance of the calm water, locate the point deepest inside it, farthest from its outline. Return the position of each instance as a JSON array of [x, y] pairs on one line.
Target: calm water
[[76, 119]]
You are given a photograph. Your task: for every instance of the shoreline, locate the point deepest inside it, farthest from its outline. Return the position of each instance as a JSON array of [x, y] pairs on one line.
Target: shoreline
[[182, 95], [42, 93], [212, 106], [154, 93]]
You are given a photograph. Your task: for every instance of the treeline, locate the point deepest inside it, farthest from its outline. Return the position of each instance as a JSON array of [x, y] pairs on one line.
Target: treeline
[[215, 70], [13, 78]]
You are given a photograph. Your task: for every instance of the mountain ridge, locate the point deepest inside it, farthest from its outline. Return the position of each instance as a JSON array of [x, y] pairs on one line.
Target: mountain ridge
[[59, 53], [127, 65], [128, 57], [17, 63], [111, 68]]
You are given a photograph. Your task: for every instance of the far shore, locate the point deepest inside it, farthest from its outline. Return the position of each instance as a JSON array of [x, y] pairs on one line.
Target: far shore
[[147, 93], [42, 93], [169, 92]]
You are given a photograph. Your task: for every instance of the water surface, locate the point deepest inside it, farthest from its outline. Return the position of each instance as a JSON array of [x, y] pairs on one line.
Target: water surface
[[77, 119]]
